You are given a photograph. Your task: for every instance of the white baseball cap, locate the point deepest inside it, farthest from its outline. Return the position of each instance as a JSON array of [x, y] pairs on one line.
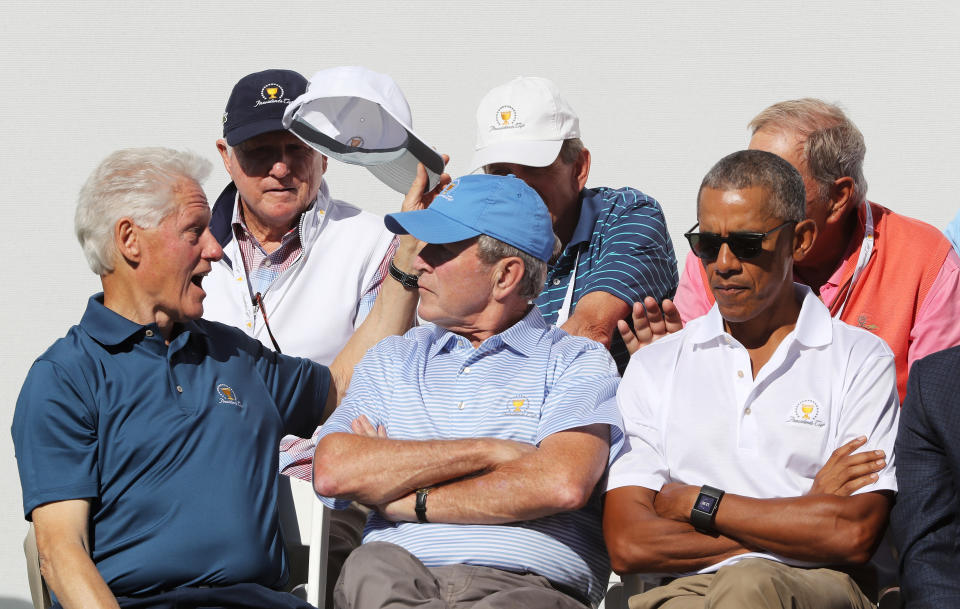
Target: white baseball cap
[[523, 121], [361, 117]]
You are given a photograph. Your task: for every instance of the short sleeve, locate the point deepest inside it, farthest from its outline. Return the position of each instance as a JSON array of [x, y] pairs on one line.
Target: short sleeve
[[583, 393], [299, 388], [642, 462], [692, 300], [55, 438], [635, 257], [871, 408]]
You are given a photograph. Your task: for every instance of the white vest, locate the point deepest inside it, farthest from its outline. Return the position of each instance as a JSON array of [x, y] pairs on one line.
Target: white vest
[[312, 306]]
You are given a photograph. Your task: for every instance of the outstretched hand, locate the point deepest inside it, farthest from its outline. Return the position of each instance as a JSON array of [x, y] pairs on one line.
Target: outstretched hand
[[418, 197], [650, 323]]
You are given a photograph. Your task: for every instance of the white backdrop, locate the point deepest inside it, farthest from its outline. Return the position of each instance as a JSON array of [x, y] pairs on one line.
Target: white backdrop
[[663, 92]]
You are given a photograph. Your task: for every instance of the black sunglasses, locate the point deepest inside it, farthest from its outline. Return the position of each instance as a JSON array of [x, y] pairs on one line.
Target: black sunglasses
[[742, 245]]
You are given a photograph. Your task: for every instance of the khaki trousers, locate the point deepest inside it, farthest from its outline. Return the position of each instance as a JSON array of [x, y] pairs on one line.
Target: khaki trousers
[[757, 583], [381, 575]]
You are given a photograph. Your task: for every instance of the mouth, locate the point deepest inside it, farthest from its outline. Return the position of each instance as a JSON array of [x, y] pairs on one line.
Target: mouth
[[727, 289], [197, 279]]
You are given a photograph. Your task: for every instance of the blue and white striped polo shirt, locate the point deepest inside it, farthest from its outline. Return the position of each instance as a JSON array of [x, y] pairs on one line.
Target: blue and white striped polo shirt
[[524, 384], [624, 249]]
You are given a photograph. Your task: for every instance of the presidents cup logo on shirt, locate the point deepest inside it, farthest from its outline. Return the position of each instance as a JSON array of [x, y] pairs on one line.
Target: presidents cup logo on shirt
[[506, 118], [271, 93], [227, 395], [518, 405], [806, 412]]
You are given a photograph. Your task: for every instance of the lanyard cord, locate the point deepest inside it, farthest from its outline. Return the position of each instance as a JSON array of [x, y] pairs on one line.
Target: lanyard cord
[[258, 302], [866, 250], [564, 313]]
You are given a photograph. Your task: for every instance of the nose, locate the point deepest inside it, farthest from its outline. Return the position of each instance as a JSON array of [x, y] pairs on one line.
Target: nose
[[281, 168], [211, 247], [726, 262]]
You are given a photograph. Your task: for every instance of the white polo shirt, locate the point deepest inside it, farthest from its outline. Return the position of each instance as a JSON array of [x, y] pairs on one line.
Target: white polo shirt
[[693, 413]]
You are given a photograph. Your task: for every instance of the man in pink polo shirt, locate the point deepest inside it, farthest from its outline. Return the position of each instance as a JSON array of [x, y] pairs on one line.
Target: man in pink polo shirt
[[892, 275]]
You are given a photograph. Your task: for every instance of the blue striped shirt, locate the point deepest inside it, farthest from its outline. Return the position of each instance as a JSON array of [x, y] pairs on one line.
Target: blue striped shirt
[[526, 383], [624, 249]]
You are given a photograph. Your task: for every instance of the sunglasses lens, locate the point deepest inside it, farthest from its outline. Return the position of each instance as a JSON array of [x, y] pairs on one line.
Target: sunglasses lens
[[705, 245], [745, 247]]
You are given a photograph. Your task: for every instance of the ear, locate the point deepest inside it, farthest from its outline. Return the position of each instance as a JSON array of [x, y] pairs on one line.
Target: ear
[[804, 234], [224, 155], [582, 171], [841, 198], [506, 277], [323, 164], [126, 238]]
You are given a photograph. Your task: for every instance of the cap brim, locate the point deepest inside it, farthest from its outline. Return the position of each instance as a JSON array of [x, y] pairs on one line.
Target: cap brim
[[243, 133], [533, 154], [396, 166], [428, 225]]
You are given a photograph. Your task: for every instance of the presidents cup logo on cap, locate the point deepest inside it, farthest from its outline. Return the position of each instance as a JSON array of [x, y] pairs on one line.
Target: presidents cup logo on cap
[[806, 412], [506, 118], [447, 191], [356, 141], [271, 93]]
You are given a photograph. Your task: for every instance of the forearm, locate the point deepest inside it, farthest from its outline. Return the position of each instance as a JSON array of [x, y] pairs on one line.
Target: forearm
[[374, 471], [596, 316], [822, 528], [74, 579], [640, 541], [393, 313], [559, 476]]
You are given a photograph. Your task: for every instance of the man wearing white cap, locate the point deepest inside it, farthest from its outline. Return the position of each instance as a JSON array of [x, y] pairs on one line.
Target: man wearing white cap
[[616, 247], [479, 438]]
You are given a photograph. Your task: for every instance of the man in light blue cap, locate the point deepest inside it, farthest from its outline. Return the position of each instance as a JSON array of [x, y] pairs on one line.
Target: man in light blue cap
[[478, 438]]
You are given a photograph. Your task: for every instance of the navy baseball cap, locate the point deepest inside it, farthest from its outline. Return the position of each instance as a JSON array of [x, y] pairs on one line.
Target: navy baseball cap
[[257, 103], [503, 207]]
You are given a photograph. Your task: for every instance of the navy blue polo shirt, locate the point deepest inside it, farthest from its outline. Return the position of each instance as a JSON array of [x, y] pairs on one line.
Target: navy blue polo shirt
[[176, 446], [625, 250]]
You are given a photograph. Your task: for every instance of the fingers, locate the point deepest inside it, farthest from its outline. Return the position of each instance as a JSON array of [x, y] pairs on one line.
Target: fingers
[[653, 314], [362, 426], [671, 316], [629, 338]]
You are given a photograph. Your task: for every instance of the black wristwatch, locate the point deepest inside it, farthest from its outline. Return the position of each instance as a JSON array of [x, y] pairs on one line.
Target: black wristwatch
[[421, 507], [407, 280], [704, 511]]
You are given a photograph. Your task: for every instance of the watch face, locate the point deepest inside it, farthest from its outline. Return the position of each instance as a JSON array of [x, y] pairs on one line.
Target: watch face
[[706, 503]]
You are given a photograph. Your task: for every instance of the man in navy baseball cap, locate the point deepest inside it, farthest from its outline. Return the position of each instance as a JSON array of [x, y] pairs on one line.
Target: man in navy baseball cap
[[257, 103]]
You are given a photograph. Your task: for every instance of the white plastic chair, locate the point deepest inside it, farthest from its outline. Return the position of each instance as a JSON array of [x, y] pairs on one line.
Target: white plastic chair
[[303, 520]]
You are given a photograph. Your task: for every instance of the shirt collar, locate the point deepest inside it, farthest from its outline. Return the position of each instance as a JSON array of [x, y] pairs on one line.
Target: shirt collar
[[109, 328], [814, 326], [591, 204], [522, 336]]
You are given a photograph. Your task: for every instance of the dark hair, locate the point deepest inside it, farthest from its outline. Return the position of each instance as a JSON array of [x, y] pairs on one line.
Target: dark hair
[[749, 168]]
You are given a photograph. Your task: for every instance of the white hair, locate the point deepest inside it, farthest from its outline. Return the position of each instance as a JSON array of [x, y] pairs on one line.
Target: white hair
[[135, 183]]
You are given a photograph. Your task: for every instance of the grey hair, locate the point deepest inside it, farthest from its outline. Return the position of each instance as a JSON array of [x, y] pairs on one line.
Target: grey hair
[[491, 250], [833, 147], [749, 168], [570, 150], [135, 183]]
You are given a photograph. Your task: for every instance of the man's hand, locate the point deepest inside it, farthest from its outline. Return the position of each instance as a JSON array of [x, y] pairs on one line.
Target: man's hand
[[675, 500], [650, 323], [846, 472], [363, 427]]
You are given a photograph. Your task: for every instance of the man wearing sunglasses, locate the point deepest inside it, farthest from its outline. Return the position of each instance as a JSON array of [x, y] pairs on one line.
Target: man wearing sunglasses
[[892, 275], [737, 479]]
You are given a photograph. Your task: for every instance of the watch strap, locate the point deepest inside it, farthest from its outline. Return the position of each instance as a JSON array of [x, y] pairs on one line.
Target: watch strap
[[421, 506], [407, 280]]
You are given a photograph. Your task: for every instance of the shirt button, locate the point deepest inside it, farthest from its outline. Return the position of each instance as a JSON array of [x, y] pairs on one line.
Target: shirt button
[[460, 405], [149, 333], [556, 282], [466, 370], [747, 411], [179, 389], [740, 373], [267, 262]]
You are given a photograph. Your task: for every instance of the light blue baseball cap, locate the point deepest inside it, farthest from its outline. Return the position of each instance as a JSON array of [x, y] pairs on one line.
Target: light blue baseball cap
[[503, 207]]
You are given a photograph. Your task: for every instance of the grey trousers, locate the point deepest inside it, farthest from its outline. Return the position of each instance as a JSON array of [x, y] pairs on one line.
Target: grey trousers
[[383, 575], [757, 583]]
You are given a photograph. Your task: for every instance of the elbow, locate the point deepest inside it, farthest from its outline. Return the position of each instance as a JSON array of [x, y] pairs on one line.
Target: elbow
[[569, 496], [328, 469], [858, 543], [627, 557]]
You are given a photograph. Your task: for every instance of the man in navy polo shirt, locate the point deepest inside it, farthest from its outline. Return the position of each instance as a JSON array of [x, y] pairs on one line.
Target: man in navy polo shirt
[[146, 438], [616, 247]]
